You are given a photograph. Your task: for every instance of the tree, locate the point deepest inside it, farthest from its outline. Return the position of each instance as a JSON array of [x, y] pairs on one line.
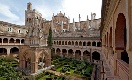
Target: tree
[[50, 37]]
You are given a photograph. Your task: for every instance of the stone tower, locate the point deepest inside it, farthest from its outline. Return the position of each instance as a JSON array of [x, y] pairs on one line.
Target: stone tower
[[32, 17]]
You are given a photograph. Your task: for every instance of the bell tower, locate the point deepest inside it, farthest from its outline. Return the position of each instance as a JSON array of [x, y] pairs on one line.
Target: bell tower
[[29, 6]]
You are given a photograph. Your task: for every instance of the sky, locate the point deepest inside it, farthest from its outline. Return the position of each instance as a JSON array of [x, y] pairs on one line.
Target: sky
[[13, 11]]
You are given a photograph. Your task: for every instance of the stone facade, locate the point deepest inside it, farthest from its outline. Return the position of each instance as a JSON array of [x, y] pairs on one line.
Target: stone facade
[[76, 39], [116, 39]]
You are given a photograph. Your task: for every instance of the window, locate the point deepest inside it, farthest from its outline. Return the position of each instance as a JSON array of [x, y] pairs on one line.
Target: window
[[19, 31], [9, 29]]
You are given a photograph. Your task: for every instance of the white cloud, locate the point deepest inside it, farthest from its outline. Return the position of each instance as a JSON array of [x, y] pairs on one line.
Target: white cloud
[[45, 11], [83, 7], [5, 10]]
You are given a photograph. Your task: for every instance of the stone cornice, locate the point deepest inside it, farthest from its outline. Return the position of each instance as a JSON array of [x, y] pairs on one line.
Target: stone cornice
[[109, 8]]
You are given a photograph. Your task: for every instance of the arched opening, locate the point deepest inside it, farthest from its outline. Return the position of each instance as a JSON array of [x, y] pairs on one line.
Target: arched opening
[[22, 41], [76, 43], [17, 41], [88, 43], [124, 56], [86, 55], [40, 62], [121, 37], [54, 43], [78, 54], [3, 51], [58, 51], [11, 40], [69, 43], [95, 56], [70, 53], [5, 40], [14, 50], [110, 37], [84, 43], [98, 44], [0, 40], [65, 42], [94, 43], [62, 42], [80, 43], [59, 42], [72, 43], [64, 52], [28, 64], [120, 32]]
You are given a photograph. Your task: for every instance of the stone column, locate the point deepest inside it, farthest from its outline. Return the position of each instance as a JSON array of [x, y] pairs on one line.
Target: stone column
[[55, 50], [8, 51], [81, 55], [61, 53], [2, 41], [67, 53], [74, 54]]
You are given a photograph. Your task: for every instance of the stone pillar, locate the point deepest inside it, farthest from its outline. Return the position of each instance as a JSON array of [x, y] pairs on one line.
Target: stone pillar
[[34, 67], [81, 56], [2, 41], [74, 54], [67, 53], [8, 51], [61, 53], [55, 50]]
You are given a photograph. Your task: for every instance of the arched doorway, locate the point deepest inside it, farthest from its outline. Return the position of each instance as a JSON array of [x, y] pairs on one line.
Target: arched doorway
[[121, 37], [11, 40], [22, 41], [98, 44], [76, 43], [94, 43], [14, 50], [62, 42], [69, 43], [3, 51], [70, 53], [86, 55], [59, 42], [95, 55], [124, 56], [64, 52], [84, 43], [80, 43], [5, 40], [65, 42], [17, 41], [78, 54], [88, 43], [58, 51]]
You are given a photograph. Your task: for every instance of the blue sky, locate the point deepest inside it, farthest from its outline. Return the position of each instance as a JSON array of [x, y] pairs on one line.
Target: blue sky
[[13, 11]]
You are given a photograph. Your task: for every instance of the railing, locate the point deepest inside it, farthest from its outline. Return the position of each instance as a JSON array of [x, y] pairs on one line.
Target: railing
[[11, 43], [122, 70]]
